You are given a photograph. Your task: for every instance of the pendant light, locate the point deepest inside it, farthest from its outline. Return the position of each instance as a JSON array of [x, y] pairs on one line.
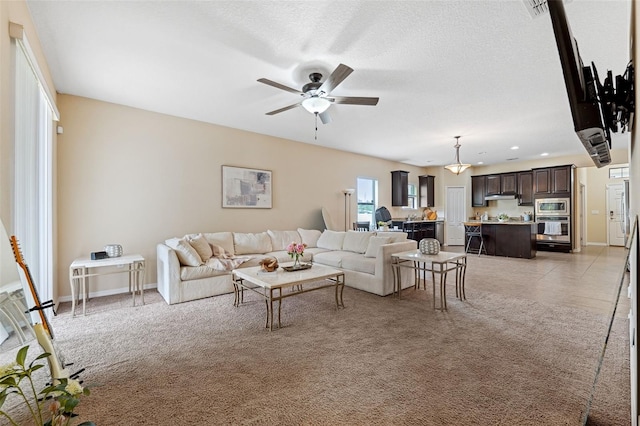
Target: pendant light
[[457, 167]]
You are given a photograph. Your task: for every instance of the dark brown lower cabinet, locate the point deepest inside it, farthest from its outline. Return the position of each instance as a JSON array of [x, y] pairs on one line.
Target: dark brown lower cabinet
[[517, 240]]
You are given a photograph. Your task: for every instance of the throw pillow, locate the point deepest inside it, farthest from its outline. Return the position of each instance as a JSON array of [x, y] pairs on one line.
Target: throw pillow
[[356, 241], [222, 239], [331, 240], [374, 245], [309, 237], [201, 245], [251, 243], [281, 239], [187, 255]]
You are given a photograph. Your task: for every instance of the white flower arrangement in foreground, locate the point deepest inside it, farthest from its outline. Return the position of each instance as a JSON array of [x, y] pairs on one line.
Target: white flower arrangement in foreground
[[57, 401]]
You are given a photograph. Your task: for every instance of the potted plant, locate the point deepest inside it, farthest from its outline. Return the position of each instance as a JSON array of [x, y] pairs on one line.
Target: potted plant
[[502, 217]]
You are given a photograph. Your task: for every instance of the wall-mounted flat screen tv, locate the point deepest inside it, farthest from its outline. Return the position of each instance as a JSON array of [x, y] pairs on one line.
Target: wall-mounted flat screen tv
[[581, 89]]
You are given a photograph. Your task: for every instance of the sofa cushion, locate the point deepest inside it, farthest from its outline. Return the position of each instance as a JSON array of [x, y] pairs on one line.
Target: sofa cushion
[[331, 258], [396, 237], [309, 237], [374, 245], [331, 240], [247, 243], [202, 246], [188, 273], [281, 239], [222, 239], [359, 263], [356, 241], [187, 255], [313, 251]]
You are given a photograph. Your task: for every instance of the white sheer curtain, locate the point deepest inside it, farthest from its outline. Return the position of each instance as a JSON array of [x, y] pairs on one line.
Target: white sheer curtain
[[33, 223]]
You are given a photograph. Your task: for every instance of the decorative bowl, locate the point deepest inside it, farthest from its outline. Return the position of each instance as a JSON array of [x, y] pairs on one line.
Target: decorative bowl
[[113, 250], [269, 264]]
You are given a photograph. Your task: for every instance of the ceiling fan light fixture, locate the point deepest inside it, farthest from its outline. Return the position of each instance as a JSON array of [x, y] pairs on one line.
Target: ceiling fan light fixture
[[457, 167], [316, 104]]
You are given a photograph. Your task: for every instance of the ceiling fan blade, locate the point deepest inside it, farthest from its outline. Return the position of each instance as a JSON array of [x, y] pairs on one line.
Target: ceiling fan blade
[[277, 111], [337, 76], [354, 100], [279, 86], [325, 117]]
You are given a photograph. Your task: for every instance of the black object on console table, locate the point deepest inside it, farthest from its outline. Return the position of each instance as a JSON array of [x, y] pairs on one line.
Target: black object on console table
[[509, 239]]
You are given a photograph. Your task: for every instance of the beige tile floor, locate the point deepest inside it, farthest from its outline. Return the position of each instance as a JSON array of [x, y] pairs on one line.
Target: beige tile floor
[[588, 279]]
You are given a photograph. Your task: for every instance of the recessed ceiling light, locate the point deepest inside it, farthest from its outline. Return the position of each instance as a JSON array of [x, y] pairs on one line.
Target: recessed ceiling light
[[544, 154], [480, 162], [515, 147]]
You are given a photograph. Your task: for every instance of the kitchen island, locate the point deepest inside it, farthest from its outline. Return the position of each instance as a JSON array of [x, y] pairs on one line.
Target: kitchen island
[[511, 238], [418, 229]]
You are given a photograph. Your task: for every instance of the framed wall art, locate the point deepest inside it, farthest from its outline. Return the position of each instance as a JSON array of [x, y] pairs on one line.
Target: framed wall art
[[246, 188]]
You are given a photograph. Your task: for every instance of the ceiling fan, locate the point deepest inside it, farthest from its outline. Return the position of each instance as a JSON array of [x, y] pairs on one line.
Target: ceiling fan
[[316, 94]]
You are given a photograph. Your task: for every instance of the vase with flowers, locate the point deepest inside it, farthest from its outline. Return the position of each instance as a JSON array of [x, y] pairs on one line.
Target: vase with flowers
[[53, 405], [296, 251]]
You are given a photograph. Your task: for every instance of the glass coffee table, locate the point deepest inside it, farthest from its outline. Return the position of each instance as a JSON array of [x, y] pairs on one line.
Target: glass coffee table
[[270, 285]]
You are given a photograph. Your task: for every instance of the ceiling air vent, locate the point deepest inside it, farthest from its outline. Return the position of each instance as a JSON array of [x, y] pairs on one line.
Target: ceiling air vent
[[538, 7]]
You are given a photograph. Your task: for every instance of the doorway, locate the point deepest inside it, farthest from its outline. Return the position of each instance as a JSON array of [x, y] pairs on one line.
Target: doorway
[[456, 215], [615, 219]]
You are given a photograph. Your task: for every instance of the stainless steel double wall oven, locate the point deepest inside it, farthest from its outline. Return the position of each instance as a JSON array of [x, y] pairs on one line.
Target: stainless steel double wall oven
[[553, 216]]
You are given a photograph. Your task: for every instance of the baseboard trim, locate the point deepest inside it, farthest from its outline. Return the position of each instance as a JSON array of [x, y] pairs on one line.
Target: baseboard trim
[[596, 244], [107, 292]]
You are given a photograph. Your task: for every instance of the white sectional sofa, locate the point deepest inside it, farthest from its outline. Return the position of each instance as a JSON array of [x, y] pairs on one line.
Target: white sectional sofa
[[186, 270]]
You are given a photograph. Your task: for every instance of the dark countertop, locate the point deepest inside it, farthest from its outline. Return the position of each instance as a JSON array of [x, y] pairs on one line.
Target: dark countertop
[[417, 220], [497, 222]]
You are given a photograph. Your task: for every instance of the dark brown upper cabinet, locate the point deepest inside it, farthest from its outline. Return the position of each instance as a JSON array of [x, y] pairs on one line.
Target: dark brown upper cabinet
[[426, 188], [494, 186], [478, 191], [552, 181], [399, 188], [525, 188], [508, 184]]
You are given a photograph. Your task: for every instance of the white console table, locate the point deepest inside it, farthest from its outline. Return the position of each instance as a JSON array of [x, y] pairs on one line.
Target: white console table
[[80, 271]]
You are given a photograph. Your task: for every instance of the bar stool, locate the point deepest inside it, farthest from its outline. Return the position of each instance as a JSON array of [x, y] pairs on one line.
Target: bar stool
[[471, 232]]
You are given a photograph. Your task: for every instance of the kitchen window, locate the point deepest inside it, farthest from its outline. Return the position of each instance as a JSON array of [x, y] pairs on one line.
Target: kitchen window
[[367, 196], [412, 198]]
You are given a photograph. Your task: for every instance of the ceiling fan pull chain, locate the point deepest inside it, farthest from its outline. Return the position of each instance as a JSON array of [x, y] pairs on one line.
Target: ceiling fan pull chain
[[316, 135]]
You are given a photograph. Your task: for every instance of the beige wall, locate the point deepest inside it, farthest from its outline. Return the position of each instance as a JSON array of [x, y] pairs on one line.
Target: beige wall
[[136, 178]]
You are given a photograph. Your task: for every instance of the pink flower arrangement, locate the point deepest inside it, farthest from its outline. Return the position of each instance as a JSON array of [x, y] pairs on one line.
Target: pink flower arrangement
[[295, 250]]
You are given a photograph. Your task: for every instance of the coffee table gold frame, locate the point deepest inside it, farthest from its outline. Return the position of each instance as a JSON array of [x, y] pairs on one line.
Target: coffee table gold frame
[[270, 285]]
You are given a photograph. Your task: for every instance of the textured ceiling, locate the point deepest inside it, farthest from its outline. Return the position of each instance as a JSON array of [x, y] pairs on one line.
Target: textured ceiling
[[484, 70]]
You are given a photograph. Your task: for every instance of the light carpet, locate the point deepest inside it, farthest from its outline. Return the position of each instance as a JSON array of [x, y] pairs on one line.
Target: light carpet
[[489, 360]]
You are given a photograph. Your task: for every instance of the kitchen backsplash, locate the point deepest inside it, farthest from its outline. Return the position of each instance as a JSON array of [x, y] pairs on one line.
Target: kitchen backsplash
[[495, 207]]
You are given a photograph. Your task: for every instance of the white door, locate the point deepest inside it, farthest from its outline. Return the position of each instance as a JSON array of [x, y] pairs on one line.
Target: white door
[[615, 195], [455, 215]]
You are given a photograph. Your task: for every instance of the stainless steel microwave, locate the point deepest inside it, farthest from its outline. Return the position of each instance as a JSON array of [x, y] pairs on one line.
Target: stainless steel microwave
[[553, 206]]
